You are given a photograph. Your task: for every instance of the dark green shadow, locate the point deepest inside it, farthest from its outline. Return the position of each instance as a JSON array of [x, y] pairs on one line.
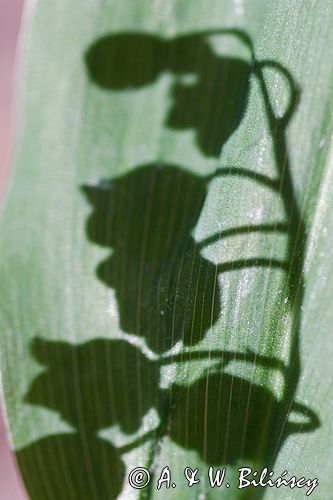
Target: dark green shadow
[[167, 292]]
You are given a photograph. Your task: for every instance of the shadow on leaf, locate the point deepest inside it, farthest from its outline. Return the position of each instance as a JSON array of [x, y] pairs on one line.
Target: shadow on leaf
[[168, 294]]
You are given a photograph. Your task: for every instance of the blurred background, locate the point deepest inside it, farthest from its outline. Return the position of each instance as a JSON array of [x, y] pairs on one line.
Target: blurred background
[[10, 17]]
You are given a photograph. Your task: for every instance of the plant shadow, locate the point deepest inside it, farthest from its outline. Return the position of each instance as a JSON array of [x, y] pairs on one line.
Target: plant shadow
[[168, 294], [104, 383], [209, 93]]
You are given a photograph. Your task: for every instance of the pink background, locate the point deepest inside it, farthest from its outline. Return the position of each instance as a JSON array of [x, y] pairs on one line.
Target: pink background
[[10, 13]]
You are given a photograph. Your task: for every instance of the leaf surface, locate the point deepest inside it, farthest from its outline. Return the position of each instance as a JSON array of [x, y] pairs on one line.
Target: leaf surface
[[166, 247]]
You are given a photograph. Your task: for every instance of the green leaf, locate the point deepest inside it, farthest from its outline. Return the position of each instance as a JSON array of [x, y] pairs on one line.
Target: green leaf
[[166, 248]]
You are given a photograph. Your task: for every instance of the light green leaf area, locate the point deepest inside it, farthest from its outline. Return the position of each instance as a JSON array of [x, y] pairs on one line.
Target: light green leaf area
[[166, 247]]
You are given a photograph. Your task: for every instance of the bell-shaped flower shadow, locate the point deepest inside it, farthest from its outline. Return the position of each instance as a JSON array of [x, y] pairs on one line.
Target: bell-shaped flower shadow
[[166, 290], [209, 93]]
